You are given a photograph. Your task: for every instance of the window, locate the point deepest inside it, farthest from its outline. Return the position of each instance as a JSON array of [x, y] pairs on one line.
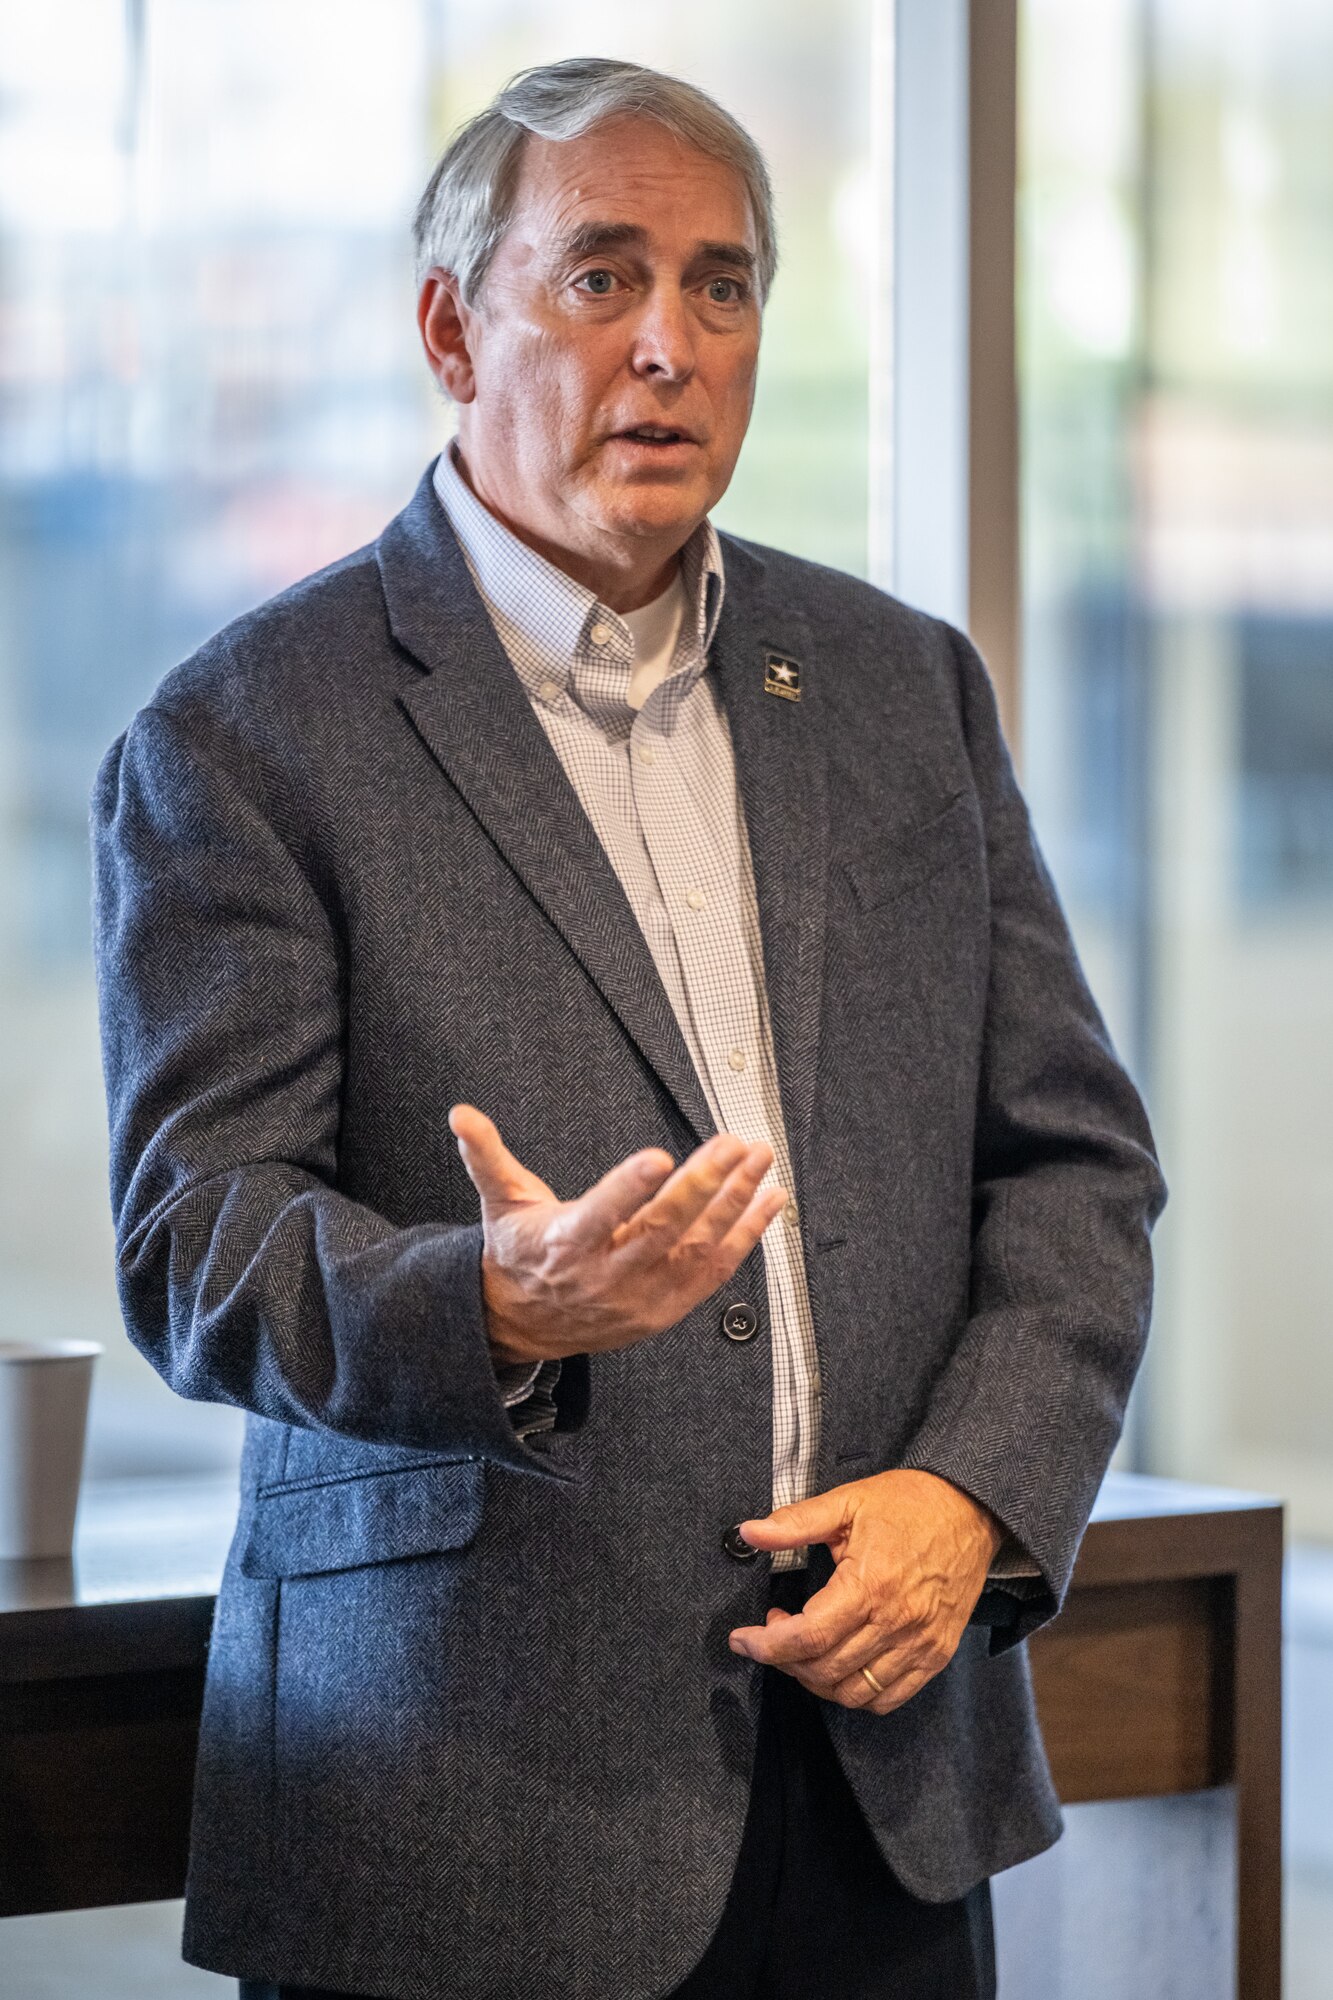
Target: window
[[1177, 391], [212, 385], [1176, 241]]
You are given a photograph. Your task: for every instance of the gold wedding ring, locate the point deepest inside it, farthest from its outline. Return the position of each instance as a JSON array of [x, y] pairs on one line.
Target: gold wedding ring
[[873, 1682]]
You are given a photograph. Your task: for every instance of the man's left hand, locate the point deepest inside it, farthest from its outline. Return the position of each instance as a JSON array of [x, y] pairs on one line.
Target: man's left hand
[[912, 1552]]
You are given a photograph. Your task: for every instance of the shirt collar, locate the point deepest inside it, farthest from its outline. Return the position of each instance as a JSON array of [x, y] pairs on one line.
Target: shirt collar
[[544, 619]]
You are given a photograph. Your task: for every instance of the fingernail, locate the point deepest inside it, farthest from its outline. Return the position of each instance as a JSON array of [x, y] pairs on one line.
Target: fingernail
[[737, 1647]]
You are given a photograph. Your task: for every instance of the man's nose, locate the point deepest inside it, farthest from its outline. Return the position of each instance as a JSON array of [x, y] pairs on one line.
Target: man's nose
[[664, 337]]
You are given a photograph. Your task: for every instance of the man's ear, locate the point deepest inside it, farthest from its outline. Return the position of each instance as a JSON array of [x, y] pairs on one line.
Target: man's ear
[[446, 326]]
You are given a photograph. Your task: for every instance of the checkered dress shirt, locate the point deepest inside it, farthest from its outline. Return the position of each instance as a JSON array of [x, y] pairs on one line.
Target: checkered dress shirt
[[659, 785]]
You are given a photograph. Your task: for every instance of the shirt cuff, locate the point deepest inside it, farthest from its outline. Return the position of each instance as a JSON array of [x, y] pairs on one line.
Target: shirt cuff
[[529, 1395], [1011, 1563], [517, 1379]]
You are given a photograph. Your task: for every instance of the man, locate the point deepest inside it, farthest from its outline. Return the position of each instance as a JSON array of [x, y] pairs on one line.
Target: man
[[596, 1067]]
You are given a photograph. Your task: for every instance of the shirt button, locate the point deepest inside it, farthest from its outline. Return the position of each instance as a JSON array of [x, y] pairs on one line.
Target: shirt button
[[696, 899], [644, 752], [816, 1383], [601, 635], [791, 1212], [737, 1058], [549, 690]]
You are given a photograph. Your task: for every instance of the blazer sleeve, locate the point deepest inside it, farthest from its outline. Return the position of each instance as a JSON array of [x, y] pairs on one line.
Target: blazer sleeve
[[1066, 1189], [245, 1277]]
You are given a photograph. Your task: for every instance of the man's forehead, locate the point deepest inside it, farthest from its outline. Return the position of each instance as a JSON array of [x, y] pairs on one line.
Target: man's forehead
[[607, 186]]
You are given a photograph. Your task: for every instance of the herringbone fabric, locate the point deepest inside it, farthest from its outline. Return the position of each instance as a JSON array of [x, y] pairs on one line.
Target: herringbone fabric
[[471, 1725]]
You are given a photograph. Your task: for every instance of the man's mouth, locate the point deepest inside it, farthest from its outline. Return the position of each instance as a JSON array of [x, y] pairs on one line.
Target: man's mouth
[[658, 435]]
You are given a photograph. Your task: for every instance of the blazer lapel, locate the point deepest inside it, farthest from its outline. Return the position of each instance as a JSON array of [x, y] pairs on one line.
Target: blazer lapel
[[471, 711], [780, 771]]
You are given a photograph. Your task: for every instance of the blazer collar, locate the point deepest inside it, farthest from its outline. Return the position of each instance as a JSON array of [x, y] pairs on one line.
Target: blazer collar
[[471, 711]]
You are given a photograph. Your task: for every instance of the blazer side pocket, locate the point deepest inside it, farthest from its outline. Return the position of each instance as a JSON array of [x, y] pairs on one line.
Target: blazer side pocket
[[904, 857], [314, 1527]]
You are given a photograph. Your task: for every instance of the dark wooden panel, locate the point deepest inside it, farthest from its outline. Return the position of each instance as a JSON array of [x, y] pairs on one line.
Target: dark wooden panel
[[96, 1776], [1148, 1547], [102, 1639], [1257, 1708], [1133, 1687]]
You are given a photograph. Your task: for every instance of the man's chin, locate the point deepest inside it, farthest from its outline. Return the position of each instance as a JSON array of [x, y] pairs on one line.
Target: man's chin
[[653, 511]]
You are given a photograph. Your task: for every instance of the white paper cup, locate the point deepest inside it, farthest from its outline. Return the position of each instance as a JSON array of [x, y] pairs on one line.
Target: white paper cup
[[44, 1389]]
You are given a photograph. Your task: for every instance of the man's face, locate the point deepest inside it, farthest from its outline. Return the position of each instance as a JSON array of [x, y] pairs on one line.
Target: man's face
[[622, 296]]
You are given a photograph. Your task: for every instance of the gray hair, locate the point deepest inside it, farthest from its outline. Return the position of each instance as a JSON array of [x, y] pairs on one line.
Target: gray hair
[[469, 199]]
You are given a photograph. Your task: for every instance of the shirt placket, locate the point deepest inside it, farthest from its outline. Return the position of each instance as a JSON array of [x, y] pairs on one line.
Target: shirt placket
[[676, 850], [698, 871]]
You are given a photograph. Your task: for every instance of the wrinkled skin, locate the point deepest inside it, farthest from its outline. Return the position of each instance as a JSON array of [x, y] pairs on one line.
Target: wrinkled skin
[[912, 1552]]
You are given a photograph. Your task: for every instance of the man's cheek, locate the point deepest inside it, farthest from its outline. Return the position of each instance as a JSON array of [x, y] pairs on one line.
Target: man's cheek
[[556, 403]]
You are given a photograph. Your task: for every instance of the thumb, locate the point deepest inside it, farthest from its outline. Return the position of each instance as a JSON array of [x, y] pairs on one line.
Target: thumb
[[494, 1172], [822, 1518]]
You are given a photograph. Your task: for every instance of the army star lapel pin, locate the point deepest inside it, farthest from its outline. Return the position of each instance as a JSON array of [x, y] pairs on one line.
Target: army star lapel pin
[[782, 676]]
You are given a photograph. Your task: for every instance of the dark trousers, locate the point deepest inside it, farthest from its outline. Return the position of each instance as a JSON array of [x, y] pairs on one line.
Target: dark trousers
[[812, 1909]]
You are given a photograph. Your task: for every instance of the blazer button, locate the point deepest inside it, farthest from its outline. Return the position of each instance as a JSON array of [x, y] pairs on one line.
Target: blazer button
[[737, 1547], [740, 1322]]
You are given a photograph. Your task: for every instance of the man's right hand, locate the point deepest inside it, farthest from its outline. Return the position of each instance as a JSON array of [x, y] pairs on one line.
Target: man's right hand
[[628, 1259]]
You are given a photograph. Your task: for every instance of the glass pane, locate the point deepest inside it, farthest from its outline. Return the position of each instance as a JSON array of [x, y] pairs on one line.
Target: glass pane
[[1177, 392], [210, 384], [1177, 218]]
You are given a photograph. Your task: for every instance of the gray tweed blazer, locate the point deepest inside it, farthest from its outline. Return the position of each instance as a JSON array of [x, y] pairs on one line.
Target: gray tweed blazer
[[472, 1727]]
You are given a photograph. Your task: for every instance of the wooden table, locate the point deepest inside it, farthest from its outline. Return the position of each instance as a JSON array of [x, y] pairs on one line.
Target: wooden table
[[1162, 1675]]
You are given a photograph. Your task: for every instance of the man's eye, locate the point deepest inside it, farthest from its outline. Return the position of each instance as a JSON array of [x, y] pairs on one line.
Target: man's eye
[[599, 283], [725, 291]]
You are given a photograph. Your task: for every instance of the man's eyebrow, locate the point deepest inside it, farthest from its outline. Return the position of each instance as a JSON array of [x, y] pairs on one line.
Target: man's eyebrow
[[590, 237], [734, 254]]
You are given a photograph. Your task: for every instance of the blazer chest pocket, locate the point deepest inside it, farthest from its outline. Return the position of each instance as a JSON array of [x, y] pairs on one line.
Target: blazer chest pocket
[[906, 856], [316, 1526]]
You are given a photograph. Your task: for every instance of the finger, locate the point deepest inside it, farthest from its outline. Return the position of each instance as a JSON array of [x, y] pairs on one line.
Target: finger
[[881, 1627], [921, 1646], [853, 1690], [723, 1169], [899, 1678], [823, 1517], [740, 1240], [690, 1189], [789, 1642], [858, 1693], [732, 1200], [491, 1167], [837, 1676], [825, 1623], [619, 1194], [771, 1617]]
